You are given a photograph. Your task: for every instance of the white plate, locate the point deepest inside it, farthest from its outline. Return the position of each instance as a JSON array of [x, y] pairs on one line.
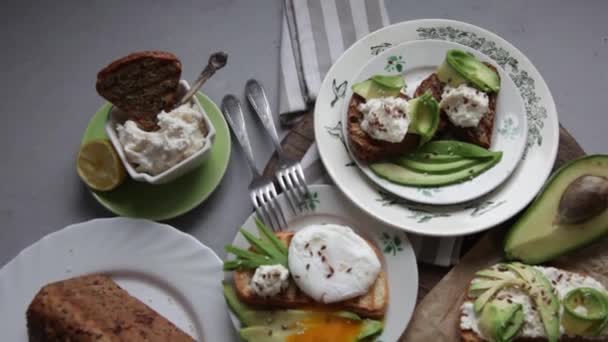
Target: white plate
[[168, 270], [454, 220], [419, 60], [330, 206]]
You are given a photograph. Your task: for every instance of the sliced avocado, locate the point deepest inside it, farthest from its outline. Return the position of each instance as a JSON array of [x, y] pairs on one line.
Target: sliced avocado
[[245, 314], [435, 158], [458, 62], [459, 148], [482, 285], [541, 292], [405, 176], [585, 309], [370, 328], [449, 75], [394, 82], [537, 236], [424, 117], [270, 318], [348, 315], [436, 168], [370, 90], [485, 297], [501, 321], [494, 274], [260, 333]]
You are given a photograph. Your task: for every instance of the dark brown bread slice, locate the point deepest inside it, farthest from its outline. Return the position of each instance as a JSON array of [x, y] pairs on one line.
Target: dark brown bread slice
[[480, 135], [95, 308], [368, 149], [141, 84], [371, 305]]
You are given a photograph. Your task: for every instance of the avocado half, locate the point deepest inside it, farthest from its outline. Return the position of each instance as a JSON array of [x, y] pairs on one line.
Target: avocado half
[[539, 236]]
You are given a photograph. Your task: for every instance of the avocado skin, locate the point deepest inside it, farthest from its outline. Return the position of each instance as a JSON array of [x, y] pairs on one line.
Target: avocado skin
[[542, 212]]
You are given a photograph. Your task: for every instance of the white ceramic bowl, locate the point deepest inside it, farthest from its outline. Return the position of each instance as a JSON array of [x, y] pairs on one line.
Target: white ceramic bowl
[[180, 168]]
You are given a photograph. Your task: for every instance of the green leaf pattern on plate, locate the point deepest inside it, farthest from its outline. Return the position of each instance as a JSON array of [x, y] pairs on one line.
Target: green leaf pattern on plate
[[339, 91], [311, 201], [536, 112], [508, 129], [377, 49], [394, 63], [483, 207], [428, 192], [391, 244]]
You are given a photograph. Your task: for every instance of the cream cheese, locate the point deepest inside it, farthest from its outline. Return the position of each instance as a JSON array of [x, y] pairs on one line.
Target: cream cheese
[[562, 281], [270, 280], [180, 136], [385, 118], [464, 105]]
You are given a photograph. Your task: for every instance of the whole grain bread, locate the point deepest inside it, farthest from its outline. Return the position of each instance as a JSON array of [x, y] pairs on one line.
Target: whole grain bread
[[368, 149], [480, 135], [141, 84], [371, 305], [95, 308]]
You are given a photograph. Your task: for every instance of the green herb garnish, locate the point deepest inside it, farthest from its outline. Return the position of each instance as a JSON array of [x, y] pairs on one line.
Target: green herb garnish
[[267, 250]]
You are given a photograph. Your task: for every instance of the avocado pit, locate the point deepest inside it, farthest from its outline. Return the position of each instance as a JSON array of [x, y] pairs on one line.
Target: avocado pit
[[585, 198]]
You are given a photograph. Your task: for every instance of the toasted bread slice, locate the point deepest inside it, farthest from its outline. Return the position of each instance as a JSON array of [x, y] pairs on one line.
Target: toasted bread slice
[[95, 308], [368, 149], [480, 135], [371, 305], [141, 84]]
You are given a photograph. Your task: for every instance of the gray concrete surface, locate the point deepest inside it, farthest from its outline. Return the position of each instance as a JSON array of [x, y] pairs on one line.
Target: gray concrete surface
[[52, 50]]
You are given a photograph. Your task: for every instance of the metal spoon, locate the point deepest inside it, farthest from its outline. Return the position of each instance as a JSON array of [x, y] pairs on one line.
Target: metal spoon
[[216, 61]]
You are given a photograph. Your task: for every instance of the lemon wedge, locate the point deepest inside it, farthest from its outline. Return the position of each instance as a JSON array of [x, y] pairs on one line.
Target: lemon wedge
[[99, 166]]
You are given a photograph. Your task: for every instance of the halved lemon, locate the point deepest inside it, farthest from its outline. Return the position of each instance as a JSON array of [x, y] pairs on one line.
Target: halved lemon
[[99, 166]]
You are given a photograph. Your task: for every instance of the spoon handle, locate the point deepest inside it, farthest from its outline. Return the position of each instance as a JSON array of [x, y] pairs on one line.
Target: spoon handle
[[257, 98], [216, 61]]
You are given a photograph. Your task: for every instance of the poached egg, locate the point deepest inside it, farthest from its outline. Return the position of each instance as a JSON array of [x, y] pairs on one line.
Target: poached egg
[[331, 263]]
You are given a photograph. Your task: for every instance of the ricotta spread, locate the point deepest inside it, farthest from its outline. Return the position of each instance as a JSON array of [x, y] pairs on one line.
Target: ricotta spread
[[180, 136], [464, 105], [331, 263], [385, 118], [270, 280], [562, 281]]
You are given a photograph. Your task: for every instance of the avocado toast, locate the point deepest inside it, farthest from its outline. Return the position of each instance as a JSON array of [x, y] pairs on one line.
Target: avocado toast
[[372, 304], [518, 302], [480, 135]]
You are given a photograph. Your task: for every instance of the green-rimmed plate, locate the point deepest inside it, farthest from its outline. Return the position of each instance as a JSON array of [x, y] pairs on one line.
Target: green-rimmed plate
[[162, 202]]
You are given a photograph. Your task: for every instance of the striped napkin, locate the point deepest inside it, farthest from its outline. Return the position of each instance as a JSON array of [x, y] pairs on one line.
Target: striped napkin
[[315, 33]]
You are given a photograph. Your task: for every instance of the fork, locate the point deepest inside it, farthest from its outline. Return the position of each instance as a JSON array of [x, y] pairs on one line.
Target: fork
[[261, 189], [289, 173]]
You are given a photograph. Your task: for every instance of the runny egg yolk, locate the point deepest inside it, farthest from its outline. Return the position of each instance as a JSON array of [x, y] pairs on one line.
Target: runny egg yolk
[[324, 327]]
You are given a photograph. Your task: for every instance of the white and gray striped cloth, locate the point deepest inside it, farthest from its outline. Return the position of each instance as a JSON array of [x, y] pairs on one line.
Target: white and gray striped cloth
[[315, 33]]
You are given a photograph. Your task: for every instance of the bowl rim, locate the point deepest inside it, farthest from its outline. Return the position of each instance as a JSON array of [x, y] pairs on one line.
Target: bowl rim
[[110, 128]]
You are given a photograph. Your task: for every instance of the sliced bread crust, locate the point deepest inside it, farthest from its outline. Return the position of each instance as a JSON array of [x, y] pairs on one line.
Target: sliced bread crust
[[142, 84]]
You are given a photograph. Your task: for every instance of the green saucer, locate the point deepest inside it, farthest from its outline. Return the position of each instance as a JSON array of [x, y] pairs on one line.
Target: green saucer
[[166, 201]]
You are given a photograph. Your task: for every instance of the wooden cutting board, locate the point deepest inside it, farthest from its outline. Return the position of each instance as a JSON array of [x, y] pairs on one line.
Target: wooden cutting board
[[301, 136]]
